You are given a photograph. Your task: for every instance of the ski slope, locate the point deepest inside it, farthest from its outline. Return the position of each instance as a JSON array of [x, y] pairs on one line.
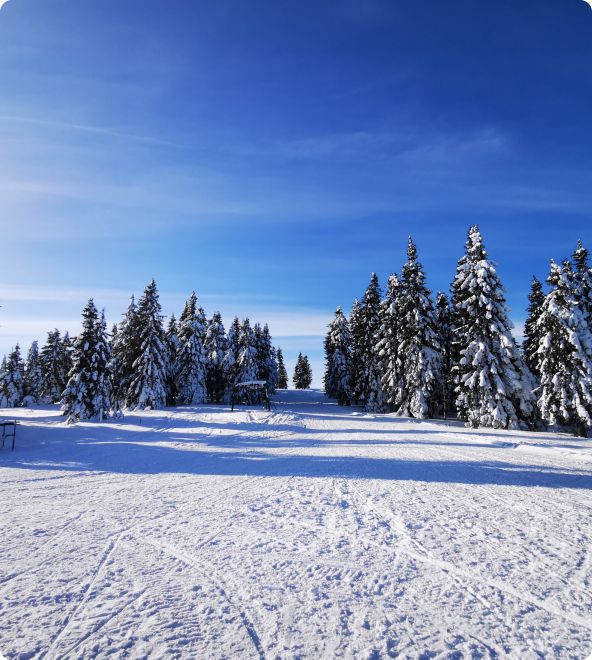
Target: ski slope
[[312, 531]]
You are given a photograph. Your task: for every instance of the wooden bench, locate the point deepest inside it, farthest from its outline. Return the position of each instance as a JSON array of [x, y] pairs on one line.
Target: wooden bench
[[5, 434]]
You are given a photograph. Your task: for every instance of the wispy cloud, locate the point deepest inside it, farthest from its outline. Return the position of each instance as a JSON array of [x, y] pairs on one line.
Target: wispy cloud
[[96, 130]]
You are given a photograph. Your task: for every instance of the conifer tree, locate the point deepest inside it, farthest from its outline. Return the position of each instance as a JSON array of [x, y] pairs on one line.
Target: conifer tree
[[445, 385], [418, 348], [493, 384], [125, 349], [387, 345], [3, 365], [32, 380], [192, 355], [147, 388], [265, 358], [172, 350], [66, 355], [337, 347], [582, 282], [282, 373], [564, 357], [53, 360], [12, 381], [104, 376], [247, 355], [370, 378], [215, 347], [532, 329], [87, 393], [307, 370], [356, 352], [275, 370], [302, 373], [231, 357]]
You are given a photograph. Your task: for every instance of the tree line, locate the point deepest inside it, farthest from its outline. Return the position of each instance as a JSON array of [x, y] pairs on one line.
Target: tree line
[[141, 363], [410, 355]]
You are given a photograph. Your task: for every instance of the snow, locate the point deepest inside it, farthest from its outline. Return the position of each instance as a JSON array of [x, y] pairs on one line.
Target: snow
[[311, 531]]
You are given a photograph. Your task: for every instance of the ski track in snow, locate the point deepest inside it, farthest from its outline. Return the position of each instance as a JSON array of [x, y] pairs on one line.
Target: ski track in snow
[[313, 531]]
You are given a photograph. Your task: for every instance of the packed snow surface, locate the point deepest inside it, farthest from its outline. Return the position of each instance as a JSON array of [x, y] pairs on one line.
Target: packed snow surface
[[312, 531]]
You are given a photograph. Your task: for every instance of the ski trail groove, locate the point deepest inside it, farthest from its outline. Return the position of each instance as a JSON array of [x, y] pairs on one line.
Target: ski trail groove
[[192, 563], [423, 555]]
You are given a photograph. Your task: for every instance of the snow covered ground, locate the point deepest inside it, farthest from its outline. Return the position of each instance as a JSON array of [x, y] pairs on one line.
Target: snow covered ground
[[312, 531]]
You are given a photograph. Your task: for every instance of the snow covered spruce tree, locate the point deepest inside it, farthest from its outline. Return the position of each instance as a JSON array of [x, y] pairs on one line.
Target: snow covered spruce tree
[[356, 351], [493, 385], [564, 357], [3, 402], [418, 348], [265, 356], [282, 373], [302, 373], [369, 377], [231, 357], [445, 386], [55, 363], [125, 349], [12, 380], [215, 347], [532, 329], [337, 345], [172, 350], [87, 393], [387, 345], [191, 356], [32, 381], [583, 282], [147, 388], [247, 353], [104, 375]]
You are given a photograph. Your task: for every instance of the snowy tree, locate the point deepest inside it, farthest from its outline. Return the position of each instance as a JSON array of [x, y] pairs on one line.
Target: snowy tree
[[302, 373], [125, 349], [172, 350], [3, 365], [66, 355], [147, 388], [282, 373], [275, 370], [32, 381], [532, 329], [266, 366], [247, 355], [445, 385], [215, 347], [12, 380], [493, 384], [564, 357], [356, 351], [54, 362], [369, 383], [87, 394], [387, 344], [418, 348], [191, 357], [582, 282], [231, 357], [337, 347]]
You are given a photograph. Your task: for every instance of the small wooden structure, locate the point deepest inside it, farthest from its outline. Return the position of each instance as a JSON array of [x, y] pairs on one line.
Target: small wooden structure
[[8, 434], [241, 391]]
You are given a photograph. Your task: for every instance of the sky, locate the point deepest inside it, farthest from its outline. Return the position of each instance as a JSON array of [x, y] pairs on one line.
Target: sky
[[272, 155]]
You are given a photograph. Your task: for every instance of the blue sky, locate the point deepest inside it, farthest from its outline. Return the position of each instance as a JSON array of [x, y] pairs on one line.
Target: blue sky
[[271, 155]]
